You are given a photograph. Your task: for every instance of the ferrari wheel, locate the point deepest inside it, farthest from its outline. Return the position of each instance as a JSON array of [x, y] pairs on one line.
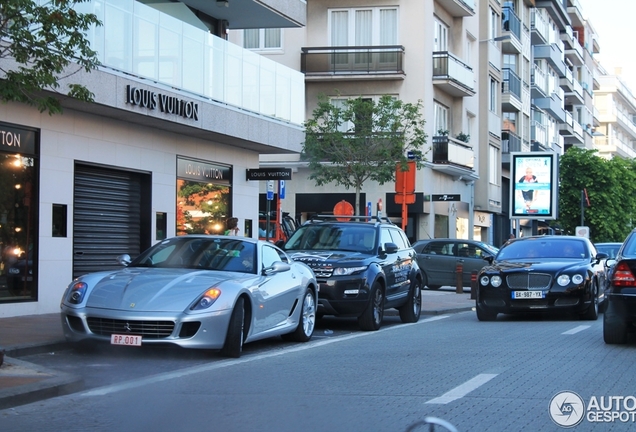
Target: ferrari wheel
[[306, 320], [371, 318], [234, 339]]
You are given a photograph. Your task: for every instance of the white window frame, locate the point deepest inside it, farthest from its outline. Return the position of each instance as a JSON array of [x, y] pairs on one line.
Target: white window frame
[[440, 118], [261, 40], [492, 95], [440, 36], [493, 165], [375, 26]]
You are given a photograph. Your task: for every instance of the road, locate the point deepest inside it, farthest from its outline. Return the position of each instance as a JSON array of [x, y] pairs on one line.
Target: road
[[480, 376]]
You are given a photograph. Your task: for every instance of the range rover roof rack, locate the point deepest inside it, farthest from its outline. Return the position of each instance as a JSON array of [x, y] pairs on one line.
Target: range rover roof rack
[[361, 218]]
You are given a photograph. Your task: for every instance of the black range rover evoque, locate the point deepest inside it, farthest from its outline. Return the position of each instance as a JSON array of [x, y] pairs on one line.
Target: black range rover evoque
[[364, 266]]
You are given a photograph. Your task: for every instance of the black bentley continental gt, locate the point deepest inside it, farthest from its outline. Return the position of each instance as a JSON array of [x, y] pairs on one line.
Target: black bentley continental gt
[[541, 273]]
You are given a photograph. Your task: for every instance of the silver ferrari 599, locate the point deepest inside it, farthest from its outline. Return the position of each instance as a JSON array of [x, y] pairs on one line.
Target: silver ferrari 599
[[195, 291]]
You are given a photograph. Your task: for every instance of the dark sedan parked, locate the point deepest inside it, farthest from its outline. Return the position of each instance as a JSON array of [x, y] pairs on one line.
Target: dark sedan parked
[[620, 316], [541, 273]]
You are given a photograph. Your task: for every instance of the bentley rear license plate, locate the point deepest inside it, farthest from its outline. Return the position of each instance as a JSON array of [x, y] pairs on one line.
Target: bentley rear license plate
[[528, 295], [130, 340]]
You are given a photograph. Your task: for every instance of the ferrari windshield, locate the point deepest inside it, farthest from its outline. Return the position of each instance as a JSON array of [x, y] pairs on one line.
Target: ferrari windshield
[[214, 253], [533, 248]]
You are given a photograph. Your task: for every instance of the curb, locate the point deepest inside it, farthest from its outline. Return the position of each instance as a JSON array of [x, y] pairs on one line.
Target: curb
[[40, 383]]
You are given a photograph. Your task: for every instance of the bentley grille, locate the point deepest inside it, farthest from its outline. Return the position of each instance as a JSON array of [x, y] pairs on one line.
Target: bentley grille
[[147, 329], [532, 281]]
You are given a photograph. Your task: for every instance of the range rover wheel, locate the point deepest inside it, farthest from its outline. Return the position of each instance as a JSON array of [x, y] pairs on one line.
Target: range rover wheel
[[371, 318], [410, 312]]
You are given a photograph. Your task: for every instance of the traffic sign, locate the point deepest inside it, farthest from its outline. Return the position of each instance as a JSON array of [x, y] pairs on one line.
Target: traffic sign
[[270, 190]]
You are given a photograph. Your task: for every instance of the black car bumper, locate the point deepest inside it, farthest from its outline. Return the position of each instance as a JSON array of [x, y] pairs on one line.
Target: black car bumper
[[343, 296], [623, 305], [501, 301]]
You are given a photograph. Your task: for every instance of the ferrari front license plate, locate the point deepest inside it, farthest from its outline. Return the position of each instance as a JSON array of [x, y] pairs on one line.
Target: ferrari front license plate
[[130, 340], [528, 295]]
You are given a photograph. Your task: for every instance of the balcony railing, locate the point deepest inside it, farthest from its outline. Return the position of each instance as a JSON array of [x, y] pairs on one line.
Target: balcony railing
[[540, 28], [447, 150], [143, 42], [511, 83], [352, 60], [538, 133], [448, 67], [511, 22], [510, 142]]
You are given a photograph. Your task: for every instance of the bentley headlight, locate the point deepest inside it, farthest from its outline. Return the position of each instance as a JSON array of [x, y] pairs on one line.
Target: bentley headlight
[[495, 281], [577, 279], [563, 280], [484, 280], [345, 271]]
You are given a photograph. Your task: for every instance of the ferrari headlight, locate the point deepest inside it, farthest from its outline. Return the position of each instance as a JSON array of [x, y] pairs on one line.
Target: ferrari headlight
[[76, 292], [577, 279], [207, 299], [344, 271], [496, 281], [563, 280]]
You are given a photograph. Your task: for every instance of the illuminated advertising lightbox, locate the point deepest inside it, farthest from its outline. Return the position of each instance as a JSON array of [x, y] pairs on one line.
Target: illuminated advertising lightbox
[[534, 185]]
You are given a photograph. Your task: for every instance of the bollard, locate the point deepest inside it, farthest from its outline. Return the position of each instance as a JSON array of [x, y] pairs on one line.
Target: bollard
[[473, 285], [459, 286]]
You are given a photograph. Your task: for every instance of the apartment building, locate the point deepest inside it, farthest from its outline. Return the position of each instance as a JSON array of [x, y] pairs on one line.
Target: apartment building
[[179, 115]]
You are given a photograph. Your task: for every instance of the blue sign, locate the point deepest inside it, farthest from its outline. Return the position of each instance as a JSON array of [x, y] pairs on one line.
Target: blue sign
[[369, 208], [281, 189], [270, 190]]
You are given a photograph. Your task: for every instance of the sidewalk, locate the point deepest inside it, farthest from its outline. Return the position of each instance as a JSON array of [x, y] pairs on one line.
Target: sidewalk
[[23, 382]]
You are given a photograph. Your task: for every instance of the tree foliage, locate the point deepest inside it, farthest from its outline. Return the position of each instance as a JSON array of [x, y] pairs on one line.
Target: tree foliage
[[611, 187], [43, 42], [362, 140]]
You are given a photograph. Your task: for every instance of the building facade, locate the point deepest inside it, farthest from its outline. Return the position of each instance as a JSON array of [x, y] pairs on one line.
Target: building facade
[[179, 115]]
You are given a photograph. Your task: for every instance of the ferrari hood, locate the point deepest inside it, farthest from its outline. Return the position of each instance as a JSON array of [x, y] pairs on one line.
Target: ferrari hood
[[152, 289]]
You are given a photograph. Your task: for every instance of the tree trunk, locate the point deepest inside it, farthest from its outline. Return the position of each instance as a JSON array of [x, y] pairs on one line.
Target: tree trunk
[[356, 209]]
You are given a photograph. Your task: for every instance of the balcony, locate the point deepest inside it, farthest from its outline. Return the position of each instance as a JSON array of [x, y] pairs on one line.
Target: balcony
[[557, 9], [511, 25], [610, 147], [539, 29], [141, 42], [458, 8], [572, 89], [510, 142], [539, 83], [452, 75], [552, 104], [553, 54], [538, 133], [511, 91], [452, 156], [262, 13], [573, 49], [571, 131], [382, 62]]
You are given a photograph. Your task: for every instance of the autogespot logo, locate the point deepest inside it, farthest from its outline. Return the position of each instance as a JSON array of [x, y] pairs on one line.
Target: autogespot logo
[[567, 409]]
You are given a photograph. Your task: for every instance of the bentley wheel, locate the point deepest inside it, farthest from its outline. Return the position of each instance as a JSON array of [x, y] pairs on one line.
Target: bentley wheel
[[234, 340], [592, 311], [371, 318], [306, 320], [410, 312], [483, 314]]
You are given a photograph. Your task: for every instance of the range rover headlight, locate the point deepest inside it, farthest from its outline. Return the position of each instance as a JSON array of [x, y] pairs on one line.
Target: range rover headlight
[[345, 271]]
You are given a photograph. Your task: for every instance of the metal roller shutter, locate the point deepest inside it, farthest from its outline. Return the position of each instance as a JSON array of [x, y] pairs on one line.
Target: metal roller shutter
[[106, 218]]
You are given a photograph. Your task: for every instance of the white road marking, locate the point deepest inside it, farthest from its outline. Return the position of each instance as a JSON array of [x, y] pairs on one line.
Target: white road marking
[[576, 329], [462, 390], [101, 391]]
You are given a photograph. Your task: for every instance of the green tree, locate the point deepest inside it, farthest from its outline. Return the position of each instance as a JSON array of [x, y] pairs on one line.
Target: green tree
[[362, 140], [42, 43], [610, 186]]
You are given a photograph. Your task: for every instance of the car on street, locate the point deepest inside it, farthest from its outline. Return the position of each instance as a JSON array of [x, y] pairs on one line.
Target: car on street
[[619, 318], [541, 273], [611, 249], [364, 265], [441, 259], [195, 291]]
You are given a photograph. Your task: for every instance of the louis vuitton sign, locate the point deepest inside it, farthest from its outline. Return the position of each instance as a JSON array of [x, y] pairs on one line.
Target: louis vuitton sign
[[166, 104]]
